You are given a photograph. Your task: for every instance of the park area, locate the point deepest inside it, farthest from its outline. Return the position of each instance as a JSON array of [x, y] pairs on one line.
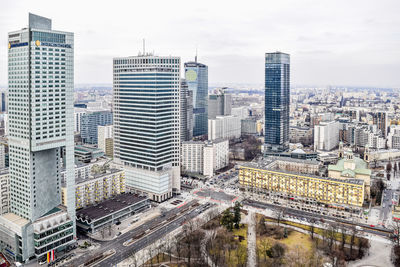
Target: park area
[[236, 238]]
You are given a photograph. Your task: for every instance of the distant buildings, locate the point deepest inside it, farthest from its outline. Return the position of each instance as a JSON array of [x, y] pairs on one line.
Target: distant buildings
[[380, 119], [40, 109], [241, 112], [225, 127], [196, 75], [277, 98], [105, 139], [326, 135], [146, 121], [186, 97], [205, 157], [89, 122], [219, 104]]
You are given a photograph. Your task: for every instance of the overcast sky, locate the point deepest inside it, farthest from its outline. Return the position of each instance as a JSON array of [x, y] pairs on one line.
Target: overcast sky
[[349, 42]]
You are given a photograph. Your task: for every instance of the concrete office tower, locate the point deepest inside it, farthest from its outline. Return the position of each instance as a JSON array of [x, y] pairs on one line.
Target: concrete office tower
[[106, 139], [277, 98], [219, 104], [186, 96], [196, 75], [147, 123], [41, 86]]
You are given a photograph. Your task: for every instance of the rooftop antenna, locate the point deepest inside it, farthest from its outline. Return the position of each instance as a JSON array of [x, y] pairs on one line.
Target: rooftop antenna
[[195, 58], [144, 47]]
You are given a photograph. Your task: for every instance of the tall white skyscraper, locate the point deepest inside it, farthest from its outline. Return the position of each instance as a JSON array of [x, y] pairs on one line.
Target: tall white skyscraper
[[40, 108], [147, 123]]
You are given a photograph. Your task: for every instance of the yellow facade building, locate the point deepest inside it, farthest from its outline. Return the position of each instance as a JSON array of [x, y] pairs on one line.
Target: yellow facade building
[[97, 188], [321, 189]]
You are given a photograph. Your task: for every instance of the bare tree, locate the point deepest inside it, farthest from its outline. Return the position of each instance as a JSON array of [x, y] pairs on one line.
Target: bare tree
[[178, 247], [353, 233], [134, 258], [395, 226], [279, 214], [168, 248], [312, 228], [343, 236], [150, 253]]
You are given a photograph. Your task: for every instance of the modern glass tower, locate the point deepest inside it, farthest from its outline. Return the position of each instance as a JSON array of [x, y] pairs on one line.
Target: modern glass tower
[[277, 98], [186, 99], [147, 123], [196, 75], [41, 87]]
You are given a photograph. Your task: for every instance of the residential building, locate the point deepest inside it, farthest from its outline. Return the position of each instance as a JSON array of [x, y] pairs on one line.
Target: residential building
[[4, 191], [192, 156], [326, 135], [97, 188], [219, 104], [295, 186], [105, 140], [248, 127], [216, 156], [89, 123], [147, 123], [40, 108], [78, 114], [277, 98], [380, 119], [196, 75], [186, 97], [2, 156], [205, 157], [302, 135], [225, 127]]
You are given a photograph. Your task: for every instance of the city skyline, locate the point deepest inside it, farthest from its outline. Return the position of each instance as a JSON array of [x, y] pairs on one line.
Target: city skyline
[[231, 40]]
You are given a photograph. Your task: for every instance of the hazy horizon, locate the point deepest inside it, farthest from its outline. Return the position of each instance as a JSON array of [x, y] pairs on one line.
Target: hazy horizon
[[331, 43]]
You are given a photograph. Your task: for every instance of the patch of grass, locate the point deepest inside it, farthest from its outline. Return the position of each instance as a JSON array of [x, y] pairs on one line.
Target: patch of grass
[[298, 239], [317, 230], [242, 231]]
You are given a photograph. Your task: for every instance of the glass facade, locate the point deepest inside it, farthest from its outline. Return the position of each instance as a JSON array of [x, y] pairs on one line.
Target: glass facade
[[196, 75], [277, 98]]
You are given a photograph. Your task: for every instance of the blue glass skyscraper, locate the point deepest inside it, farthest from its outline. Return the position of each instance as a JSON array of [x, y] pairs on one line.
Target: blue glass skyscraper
[[277, 99], [196, 75]]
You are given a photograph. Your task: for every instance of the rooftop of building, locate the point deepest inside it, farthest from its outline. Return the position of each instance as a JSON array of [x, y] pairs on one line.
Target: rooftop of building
[[361, 167], [108, 207], [266, 165], [15, 219]]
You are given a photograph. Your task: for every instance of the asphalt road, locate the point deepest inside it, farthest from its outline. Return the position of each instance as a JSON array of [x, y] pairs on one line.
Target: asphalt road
[[123, 252]]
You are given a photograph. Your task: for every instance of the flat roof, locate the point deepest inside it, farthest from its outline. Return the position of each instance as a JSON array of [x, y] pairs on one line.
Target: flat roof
[[264, 167], [109, 206], [16, 219]]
